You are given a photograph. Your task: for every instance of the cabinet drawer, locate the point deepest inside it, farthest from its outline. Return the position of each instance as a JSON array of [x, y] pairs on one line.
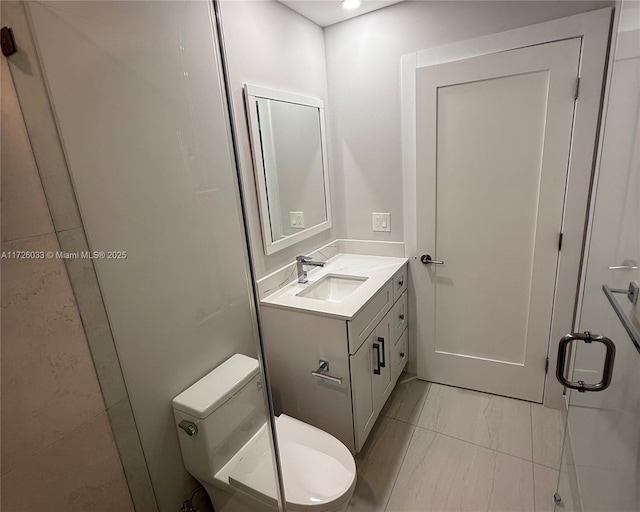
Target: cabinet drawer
[[367, 319], [399, 282], [399, 316], [399, 355]]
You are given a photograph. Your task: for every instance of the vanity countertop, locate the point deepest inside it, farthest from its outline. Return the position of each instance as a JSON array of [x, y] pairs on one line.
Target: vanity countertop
[[377, 269]]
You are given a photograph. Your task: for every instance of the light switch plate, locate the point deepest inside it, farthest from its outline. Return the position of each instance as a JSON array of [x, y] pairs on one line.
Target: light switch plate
[[296, 220], [381, 221]]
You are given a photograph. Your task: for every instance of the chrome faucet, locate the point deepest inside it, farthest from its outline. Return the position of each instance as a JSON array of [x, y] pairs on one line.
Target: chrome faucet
[[301, 261]]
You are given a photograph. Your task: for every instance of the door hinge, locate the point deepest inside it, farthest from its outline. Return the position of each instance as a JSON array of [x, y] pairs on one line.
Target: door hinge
[[7, 42], [575, 93], [546, 365], [560, 241]]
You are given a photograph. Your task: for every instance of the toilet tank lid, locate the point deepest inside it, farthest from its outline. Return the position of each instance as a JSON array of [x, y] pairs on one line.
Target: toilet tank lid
[[215, 388]]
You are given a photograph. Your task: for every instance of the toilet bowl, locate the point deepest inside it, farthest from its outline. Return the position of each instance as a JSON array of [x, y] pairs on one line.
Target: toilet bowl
[[225, 445]]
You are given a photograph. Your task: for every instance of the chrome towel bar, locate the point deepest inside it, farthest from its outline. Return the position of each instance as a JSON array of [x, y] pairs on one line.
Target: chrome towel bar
[[320, 372]]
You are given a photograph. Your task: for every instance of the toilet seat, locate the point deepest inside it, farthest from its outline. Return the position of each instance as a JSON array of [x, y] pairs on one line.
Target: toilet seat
[[318, 471]]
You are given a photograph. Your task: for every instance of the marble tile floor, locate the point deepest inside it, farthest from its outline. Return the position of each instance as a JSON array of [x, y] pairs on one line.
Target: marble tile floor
[[441, 448]]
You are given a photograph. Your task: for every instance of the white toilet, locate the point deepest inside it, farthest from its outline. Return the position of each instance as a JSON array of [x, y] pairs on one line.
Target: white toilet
[[225, 446]]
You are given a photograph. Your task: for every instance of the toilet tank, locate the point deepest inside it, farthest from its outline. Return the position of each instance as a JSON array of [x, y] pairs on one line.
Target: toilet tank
[[227, 407]]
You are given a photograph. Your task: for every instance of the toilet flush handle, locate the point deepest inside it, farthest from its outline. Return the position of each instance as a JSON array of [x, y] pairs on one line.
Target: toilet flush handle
[[189, 427]]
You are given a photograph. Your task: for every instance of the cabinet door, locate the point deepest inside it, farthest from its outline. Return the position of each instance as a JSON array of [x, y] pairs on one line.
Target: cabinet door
[[381, 378], [362, 367]]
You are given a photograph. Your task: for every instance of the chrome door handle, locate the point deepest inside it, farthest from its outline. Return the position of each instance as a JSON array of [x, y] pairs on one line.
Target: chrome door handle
[[321, 372], [563, 354], [427, 260]]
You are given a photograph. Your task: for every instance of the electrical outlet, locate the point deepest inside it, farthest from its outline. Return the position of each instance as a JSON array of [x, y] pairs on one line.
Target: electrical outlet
[[381, 221], [296, 220]]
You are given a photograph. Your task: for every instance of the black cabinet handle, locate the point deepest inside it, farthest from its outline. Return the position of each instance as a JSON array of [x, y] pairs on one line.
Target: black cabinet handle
[[383, 362], [376, 370]]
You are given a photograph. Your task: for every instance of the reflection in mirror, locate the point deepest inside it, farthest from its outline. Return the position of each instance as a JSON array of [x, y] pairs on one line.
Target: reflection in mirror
[[292, 161], [289, 152]]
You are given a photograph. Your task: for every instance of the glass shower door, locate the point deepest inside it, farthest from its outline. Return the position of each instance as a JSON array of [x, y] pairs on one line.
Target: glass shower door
[[600, 468], [141, 110]]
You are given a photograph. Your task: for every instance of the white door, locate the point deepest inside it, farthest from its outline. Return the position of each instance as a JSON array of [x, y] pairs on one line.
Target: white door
[[493, 141]]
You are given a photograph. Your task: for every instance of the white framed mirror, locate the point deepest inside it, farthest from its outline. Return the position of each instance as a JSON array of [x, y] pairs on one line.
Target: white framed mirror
[[289, 147]]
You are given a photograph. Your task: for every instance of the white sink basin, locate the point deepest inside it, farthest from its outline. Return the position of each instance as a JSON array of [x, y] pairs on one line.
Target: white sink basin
[[332, 287]]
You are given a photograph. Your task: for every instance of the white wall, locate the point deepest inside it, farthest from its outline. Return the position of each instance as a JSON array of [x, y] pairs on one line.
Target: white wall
[[270, 45], [363, 70], [137, 94]]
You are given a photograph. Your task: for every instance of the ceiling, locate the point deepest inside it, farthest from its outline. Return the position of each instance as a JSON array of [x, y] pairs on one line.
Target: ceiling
[[328, 12]]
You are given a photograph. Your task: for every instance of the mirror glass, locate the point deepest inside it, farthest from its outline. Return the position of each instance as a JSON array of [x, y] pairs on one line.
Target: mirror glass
[[292, 161], [290, 164]]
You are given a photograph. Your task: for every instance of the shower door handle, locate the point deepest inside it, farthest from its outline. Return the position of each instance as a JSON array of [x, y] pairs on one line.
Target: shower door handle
[[563, 356]]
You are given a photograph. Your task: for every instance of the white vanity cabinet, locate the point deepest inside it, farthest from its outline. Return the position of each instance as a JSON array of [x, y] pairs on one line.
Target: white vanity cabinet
[[366, 354], [378, 362]]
